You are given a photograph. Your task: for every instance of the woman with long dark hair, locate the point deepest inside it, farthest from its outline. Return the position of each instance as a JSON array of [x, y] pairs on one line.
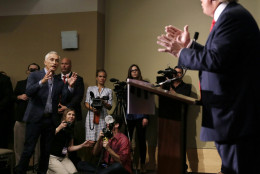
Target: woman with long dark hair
[[138, 121]]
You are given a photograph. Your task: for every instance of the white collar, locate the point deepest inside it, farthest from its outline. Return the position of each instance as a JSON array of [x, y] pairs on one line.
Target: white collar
[[219, 10], [65, 74]]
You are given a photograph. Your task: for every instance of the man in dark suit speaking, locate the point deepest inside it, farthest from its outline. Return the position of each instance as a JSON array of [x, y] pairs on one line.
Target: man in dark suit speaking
[[229, 74], [45, 90]]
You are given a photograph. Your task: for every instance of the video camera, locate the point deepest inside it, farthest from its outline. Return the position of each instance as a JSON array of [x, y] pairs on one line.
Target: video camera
[[97, 102], [167, 73], [120, 87]]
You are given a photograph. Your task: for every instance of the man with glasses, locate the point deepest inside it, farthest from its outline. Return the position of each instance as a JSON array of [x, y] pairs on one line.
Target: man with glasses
[[178, 85], [21, 104]]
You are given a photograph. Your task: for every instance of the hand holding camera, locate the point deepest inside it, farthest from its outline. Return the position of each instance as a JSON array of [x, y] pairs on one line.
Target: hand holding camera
[[98, 102]]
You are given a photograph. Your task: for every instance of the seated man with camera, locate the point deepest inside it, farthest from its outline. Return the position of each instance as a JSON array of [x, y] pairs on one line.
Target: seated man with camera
[[114, 148]]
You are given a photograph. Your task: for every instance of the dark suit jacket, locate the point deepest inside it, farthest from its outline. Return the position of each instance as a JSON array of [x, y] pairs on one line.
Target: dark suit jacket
[[6, 94], [6, 102], [20, 104], [39, 94], [77, 96], [229, 72]]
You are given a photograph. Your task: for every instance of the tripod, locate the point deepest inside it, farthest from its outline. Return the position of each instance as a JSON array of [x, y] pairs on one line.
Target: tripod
[[120, 109]]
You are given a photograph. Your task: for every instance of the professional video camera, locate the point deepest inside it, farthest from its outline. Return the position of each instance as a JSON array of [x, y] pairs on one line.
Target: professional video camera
[[120, 87], [97, 102], [168, 72]]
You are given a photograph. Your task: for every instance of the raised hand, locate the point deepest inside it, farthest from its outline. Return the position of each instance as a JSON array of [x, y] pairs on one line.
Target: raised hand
[[176, 34], [72, 79], [174, 40], [62, 108], [47, 76]]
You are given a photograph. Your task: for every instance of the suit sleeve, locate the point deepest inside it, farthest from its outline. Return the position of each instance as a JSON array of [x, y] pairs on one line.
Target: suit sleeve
[[32, 85], [17, 89], [225, 46], [7, 97]]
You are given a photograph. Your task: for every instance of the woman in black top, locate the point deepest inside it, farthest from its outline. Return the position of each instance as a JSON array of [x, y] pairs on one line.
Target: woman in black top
[[62, 144], [138, 121]]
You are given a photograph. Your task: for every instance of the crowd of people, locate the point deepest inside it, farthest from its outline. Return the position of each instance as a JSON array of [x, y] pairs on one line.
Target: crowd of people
[[48, 105], [47, 109]]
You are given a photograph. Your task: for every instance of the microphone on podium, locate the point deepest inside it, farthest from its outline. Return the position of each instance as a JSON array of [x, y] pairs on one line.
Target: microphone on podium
[[195, 37]]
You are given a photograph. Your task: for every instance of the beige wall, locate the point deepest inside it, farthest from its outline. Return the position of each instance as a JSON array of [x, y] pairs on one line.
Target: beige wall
[[131, 31], [26, 39]]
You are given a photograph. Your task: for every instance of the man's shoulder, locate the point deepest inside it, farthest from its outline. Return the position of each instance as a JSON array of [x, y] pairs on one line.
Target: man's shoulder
[[79, 78], [37, 73], [122, 136], [20, 82], [59, 75], [4, 77], [186, 84]]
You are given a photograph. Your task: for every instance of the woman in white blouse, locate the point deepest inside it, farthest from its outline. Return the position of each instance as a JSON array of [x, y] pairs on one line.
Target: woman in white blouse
[[95, 120]]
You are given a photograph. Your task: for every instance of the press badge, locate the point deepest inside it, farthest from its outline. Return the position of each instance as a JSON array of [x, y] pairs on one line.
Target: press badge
[[64, 150]]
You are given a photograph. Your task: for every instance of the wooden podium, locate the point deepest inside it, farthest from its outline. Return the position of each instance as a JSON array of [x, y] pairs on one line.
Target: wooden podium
[[171, 123]]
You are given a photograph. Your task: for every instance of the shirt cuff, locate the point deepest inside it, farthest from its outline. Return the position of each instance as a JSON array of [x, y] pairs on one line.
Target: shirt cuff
[[70, 89], [40, 83], [189, 44]]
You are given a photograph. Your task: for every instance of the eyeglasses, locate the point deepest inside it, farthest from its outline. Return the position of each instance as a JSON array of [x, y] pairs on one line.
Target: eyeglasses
[[179, 72], [134, 70], [33, 69]]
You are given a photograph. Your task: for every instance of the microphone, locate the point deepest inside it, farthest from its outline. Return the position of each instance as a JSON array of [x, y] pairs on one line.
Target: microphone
[[113, 80], [168, 81], [196, 36], [92, 94]]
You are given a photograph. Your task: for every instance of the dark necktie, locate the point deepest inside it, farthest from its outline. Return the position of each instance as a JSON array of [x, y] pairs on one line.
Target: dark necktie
[[64, 79]]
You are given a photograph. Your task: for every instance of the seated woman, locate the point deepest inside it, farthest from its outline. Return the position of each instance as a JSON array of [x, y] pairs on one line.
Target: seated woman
[[62, 144]]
